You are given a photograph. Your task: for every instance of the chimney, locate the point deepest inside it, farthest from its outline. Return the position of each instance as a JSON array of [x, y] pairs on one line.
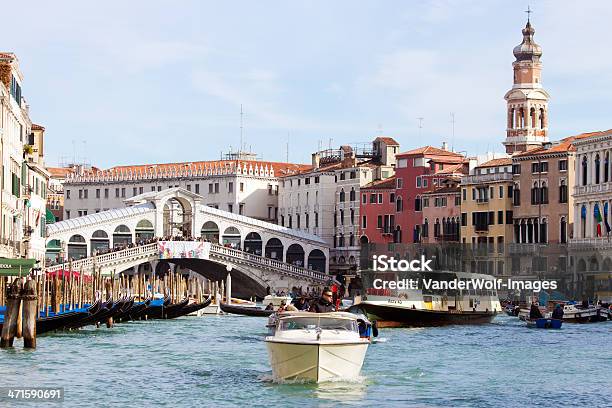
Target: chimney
[[316, 160], [445, 146]]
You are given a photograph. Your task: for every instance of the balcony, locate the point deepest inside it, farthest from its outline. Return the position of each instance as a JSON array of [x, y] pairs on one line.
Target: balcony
[[593, 189], [482, 200], [486, 178]]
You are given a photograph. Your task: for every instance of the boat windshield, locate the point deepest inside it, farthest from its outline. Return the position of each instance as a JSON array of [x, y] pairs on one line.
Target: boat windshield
[[308, 323]]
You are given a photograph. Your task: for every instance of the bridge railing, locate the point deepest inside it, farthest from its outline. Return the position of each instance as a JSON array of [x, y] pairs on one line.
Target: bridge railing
[[150, 249], [268, 262]]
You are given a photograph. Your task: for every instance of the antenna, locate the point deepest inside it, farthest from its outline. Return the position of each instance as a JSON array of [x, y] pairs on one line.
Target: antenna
[[420, 125], [241, 128], [453, 131], [73, 152], [287, 152]]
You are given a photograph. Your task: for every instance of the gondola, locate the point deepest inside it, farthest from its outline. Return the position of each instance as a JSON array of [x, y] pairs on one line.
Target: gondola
[[174, 308], [247, 311], [159, 307], [92, 311], [125, 309], [188, 308], [138, 310]]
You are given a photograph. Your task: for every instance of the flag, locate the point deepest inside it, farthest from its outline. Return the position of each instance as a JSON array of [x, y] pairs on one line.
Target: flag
[[608, 229], [598, 218]]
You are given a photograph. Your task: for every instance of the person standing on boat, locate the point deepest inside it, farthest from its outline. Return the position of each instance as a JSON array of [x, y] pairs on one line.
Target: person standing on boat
[[558, 312], [534, 312], [324, 304]]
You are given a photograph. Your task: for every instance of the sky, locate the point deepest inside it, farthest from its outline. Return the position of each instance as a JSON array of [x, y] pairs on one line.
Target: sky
[[136, 82]]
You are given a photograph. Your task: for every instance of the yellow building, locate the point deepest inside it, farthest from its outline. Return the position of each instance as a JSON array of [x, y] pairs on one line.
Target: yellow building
[[486, 215]]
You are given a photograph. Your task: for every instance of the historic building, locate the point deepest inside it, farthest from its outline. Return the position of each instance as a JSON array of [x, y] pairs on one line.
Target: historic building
[[325, 199], [24, 179], [442, 212], [377, 212], [420, 171], [238, 184], [592, 193], [55, 197], [543, 204], [527, 101], [487, 213]]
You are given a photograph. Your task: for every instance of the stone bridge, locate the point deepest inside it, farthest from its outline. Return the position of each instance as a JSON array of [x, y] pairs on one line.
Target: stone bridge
[[258, 253]]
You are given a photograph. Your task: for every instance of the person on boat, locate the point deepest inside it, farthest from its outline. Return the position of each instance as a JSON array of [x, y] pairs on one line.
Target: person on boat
[[558, 312], [301, 303], [324, 304], [270, 306], [534, 312]]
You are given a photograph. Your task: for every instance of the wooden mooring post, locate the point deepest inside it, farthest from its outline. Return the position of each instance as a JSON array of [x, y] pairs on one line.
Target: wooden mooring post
[[30, 310], [13, 303]]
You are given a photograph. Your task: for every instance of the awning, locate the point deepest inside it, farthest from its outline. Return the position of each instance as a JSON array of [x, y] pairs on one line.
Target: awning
[[16, 267], [49, 217]]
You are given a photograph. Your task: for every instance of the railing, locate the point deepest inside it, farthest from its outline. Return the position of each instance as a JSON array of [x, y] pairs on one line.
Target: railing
[[593, 188], [218, 250], [484, 178]]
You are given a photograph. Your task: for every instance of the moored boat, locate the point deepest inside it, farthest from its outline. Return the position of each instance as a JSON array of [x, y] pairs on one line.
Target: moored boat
[[316, 347], [245, 310], [276, 300]]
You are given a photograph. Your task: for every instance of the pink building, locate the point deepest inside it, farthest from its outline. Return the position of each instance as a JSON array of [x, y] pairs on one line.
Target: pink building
[[442, 212]]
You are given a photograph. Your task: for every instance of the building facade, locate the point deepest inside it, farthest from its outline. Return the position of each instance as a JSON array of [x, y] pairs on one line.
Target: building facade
[[377, 212], [55, 196], [487, 214], [240, 184], [442, 212], [420, 171], [24, 179]]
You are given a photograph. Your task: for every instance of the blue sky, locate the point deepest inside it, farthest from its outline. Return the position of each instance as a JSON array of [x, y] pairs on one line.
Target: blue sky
[[135, 82]]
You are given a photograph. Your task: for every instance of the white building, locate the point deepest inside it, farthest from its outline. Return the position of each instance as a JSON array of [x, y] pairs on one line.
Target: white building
[[324, 200], [24, 179], [239, 184]]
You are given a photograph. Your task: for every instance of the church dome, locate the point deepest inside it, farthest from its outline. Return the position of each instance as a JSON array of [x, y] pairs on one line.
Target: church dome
[[528, 50]]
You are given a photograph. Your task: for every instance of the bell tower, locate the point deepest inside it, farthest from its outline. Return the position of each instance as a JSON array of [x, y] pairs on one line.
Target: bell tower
[[527, 101]]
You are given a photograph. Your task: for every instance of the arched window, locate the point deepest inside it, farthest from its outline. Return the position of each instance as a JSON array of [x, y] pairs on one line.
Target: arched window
[[535, 194], [563, 192], [426, 228], [584, 170], [511, 119], [417, 203], [607, 167], [543, 232], [583, 215], [399, 204], [342, 195], [544, 193], [542, 119], [351, 240], [563, 231], [597, 168], [521, 118], [437, 228], [532, 114], [352, 194]]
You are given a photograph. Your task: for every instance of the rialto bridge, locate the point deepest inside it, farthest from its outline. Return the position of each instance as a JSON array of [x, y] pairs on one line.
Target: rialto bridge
[[211, 242]]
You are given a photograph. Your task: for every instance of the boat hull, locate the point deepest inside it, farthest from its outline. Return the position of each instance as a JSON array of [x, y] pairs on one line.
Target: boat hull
[[390, 315], [312, 362]]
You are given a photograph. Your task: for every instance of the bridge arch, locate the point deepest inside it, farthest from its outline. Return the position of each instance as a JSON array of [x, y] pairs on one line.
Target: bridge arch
[[295, 255], [77, 247], [177, 216], [317, 260], [231, 237], [122, 235], [99, 241], [253, 243], [144, 230], [210, 231], [274, 249]]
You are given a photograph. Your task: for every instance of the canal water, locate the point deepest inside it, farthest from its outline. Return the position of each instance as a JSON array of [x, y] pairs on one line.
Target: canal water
[[222, 361]]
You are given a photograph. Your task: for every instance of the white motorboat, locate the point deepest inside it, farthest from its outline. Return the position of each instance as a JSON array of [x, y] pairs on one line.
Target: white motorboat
[[276, 300], [316, 346]]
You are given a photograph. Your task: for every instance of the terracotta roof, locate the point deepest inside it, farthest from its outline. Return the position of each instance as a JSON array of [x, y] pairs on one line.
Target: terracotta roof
[[387, 140], [7, 55], [59, 172], [563, 145], [381, 184], [455, 168], [504, 161], [443, 190], [37, 127], [431, 151]]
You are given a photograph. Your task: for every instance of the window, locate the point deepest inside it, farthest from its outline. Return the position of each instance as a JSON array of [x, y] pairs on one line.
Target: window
[[501, 191], [316, 220], [544, 167], [417, 204], [372, 198], [307, 220], [241, 209], [80, 194], [352, 195], [400, 183], [380, 198], [364, 198], [563, 192], [342, 195], [342, 176], [230, 187], [316, 179], [364, 222], [353, 174], [424, 183], [67, 214], [516, 195], [562, 165], [500, 217], [516, 169], [152, 188], [86, 193], [597, 169], [379, 222], [188, 187], [464, 219], [210, 188], [391, 197], [544, 194], [457, 201], [123, 192], [419, 182], [197, 189], [584, 171], [535, 194], [116, 193], [399, 204], [307, 180], [97, 193], [216, 188], [464, 193], [230, 208], [342, 217], [352, 216], [508, 217], [134, 191]]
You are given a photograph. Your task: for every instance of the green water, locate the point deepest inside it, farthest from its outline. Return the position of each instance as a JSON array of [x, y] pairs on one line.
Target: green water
[[222, 361]]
